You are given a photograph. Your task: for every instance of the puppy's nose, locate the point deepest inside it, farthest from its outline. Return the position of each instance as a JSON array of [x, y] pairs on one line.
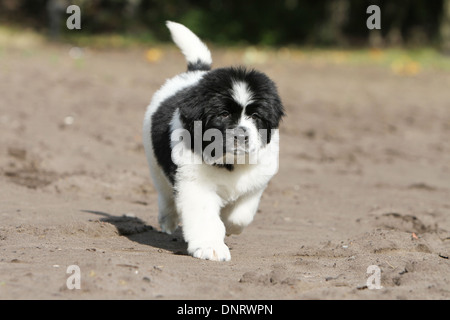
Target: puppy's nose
[[241, 134]]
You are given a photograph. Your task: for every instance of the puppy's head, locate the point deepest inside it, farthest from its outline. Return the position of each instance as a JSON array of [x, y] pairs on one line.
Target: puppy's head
[[237, 110]]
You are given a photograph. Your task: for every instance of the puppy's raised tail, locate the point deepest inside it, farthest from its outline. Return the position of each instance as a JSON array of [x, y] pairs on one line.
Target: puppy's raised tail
[[196, 52]]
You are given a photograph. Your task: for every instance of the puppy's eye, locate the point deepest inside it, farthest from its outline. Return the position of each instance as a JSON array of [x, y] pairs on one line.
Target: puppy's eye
[[225, 114], [255, 116]]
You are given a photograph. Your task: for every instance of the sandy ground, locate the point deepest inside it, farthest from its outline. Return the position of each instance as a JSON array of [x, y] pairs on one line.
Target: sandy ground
[[364, 180]]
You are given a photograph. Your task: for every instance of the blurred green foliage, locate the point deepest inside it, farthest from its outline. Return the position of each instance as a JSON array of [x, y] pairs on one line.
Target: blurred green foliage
[[263, 22]]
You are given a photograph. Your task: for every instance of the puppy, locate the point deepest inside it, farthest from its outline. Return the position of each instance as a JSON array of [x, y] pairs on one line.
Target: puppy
[[211, 141]]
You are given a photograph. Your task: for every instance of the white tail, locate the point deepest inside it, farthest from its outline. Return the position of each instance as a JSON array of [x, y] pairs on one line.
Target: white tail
[[196, 52]]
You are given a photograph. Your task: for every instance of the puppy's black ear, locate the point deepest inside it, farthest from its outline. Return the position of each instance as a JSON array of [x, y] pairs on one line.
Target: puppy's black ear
[[266, 92], [275, 115], [278, 112], [274, 110]]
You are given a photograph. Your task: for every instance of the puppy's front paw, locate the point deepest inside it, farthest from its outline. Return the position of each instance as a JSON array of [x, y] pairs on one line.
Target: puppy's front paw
[[217, 252]]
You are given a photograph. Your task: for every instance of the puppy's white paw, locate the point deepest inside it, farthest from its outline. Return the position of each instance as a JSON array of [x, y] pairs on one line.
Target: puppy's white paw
[[218, 252]]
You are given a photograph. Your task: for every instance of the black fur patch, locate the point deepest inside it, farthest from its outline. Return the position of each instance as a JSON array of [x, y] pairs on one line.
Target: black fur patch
[[198, 65], [160, 135]]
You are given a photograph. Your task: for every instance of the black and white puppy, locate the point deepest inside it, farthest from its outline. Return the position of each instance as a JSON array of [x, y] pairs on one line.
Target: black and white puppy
[[211, 141]]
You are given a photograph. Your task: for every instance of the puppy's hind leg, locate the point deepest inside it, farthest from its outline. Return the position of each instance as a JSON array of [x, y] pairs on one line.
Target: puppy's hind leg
[[167, 216]]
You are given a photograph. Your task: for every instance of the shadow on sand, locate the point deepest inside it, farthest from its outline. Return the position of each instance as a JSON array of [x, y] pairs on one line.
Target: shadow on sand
[[136, 230]]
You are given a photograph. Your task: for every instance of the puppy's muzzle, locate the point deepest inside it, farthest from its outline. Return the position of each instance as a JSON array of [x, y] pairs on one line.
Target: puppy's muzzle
[[241, 140]]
